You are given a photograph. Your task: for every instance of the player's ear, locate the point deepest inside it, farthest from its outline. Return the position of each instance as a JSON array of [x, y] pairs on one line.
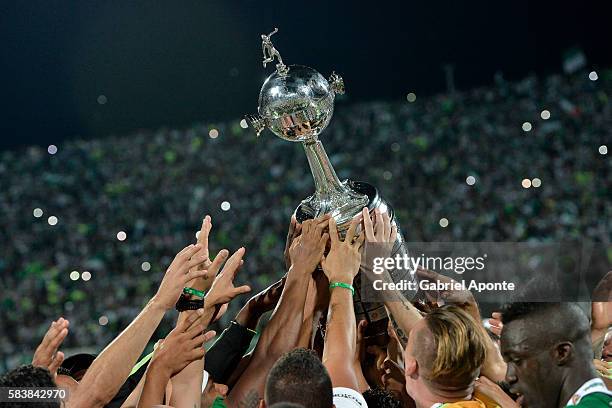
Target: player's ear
[[563, 352]]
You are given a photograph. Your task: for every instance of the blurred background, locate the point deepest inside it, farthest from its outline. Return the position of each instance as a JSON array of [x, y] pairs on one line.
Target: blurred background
[[121, 128]]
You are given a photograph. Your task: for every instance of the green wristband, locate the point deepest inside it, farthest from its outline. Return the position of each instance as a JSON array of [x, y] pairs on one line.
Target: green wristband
[[342, 285], [194, 292]]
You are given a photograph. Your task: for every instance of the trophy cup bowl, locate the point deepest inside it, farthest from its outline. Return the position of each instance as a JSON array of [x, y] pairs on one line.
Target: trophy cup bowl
[[297, 106]]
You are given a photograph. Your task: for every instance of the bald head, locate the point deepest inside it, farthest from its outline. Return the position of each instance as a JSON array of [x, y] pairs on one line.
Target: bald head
[[549, 323]]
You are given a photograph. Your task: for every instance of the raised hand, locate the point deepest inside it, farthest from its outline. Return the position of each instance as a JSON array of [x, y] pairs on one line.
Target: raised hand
[[380, 236], [223, 289], [343, 261], [496, 323], [383, 231], [461, 298], [295, 229], [184, 344], [203, 283], [307, 249], [46, 354], [181, 270], [266, 300], [260, 303]]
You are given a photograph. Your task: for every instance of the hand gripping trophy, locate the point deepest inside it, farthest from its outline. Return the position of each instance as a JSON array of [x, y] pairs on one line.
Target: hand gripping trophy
[[296, 103]]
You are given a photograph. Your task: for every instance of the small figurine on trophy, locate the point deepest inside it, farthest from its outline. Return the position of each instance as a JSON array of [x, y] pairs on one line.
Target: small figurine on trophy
[[269, 52], [296, 103]]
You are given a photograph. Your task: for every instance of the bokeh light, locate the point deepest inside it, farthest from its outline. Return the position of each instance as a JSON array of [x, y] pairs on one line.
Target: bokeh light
[[593, 76], [411, 97], [103, 320], [536, 182], [603, 149], [52, 149], [470, 180], [86, 275], [526, 183], [121, 235], [244, 124], [443, 222], [145, 266], [37, 212], [102, 99], [52, 220], [545, 114], [225, 206], [74, 275], [526, 126], [213, 133]]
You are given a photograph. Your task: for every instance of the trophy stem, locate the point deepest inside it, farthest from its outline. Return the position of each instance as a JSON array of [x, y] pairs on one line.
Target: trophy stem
[[331, 195], [325, 179]]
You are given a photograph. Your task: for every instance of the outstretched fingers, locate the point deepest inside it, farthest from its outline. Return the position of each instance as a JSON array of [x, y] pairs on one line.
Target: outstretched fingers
[[368, 226], [333, 232]]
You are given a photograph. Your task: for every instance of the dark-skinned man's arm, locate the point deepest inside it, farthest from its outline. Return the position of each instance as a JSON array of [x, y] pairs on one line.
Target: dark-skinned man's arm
[[281, 334]]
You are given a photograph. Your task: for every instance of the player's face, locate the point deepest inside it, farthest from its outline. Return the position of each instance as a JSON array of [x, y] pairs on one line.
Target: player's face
[[531, 373]]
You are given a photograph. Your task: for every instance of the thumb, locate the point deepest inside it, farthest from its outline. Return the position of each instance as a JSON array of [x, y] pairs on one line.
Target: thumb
[[209, 335], [57, 362], [242, 290]]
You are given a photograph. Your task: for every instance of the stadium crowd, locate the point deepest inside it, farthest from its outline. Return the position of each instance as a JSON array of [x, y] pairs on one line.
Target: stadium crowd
[[155, 186]]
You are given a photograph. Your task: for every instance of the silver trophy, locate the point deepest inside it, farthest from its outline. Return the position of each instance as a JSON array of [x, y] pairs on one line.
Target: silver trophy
[[296, 103]]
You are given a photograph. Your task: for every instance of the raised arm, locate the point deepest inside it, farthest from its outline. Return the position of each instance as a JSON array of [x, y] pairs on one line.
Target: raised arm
[[111, 368], [601, 309], [183, 346], [47, 354], [341, 266], [379, 242], [187, 384], [282, 331]]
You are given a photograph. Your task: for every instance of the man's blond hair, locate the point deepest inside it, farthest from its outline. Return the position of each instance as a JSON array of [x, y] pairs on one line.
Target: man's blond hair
[[456, 349]]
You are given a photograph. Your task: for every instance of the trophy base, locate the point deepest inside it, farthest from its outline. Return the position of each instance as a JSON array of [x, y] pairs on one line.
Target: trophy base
[[365, 308]]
